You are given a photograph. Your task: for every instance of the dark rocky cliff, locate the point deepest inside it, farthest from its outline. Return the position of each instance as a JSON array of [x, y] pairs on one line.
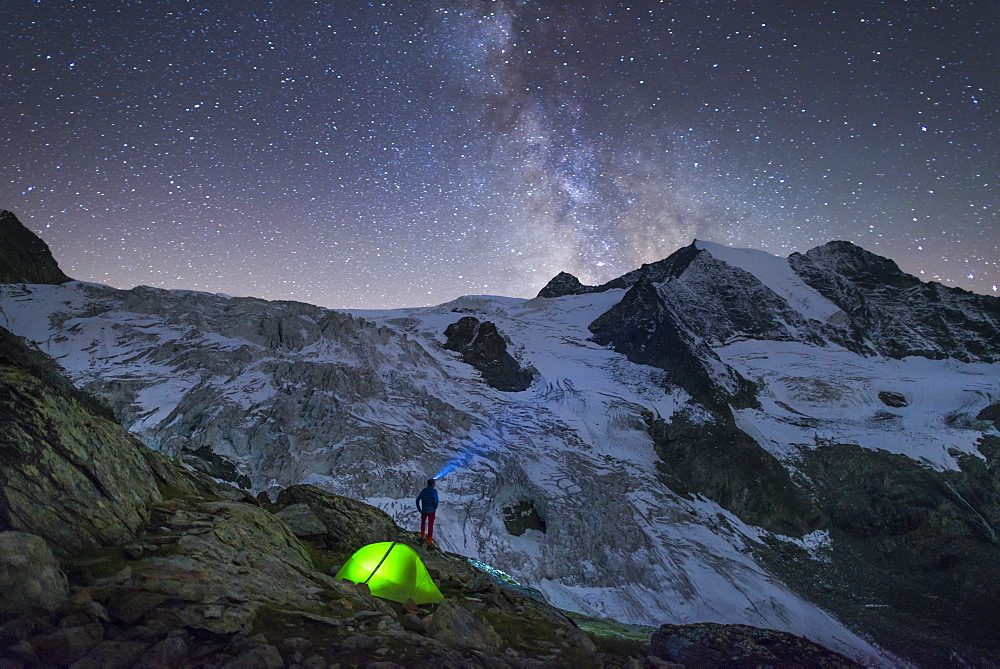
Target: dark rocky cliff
[[897, 314], [482, 346], [24, 257]]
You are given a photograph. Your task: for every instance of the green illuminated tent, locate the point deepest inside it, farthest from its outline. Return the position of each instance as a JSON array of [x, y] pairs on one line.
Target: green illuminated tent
[[392, 571]]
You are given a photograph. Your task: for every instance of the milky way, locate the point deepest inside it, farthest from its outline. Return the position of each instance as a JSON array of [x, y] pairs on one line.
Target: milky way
[[370, 154]]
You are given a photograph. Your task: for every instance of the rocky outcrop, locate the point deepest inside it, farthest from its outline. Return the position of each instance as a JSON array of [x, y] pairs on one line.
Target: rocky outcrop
[[16, 354], [648, 329], [24, 257], [228, 583], [56, 446], [565, 283], [721, 462], [522, 516], [912, 550], [482, 346], [345, 522], [898, 314], [715, 646], [991, 414]]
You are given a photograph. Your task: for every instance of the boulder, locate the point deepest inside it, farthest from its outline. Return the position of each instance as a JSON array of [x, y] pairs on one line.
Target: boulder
[[66, 645], [349, 524], [302, 520], [167, 653], [30, 577], [483, 347], [261, 657], [893, 399], [111, 655]]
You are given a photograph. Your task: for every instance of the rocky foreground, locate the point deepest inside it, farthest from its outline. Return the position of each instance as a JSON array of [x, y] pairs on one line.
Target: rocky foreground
[[113, 556]]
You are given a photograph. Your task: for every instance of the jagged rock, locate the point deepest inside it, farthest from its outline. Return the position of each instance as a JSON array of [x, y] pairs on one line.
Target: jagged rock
[[30, 577], [898, 313], [714, 646], [24, 257], [205, 460], [565, 283], [893, 399], [483, 347]]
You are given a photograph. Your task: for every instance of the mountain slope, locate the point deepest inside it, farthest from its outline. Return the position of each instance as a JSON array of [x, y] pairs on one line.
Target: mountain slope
[[24, 257]]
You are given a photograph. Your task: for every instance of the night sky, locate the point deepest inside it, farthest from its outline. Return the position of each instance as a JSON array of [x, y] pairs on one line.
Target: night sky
[[384, 154]]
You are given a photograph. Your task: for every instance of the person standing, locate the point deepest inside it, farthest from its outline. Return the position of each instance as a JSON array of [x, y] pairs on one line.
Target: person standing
[[427, 504]]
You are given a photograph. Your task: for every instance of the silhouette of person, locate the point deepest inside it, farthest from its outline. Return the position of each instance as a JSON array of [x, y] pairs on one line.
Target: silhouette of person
[[427, 504]]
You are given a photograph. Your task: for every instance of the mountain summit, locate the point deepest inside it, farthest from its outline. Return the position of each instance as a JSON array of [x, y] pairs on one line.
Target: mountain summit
[[24, 257]]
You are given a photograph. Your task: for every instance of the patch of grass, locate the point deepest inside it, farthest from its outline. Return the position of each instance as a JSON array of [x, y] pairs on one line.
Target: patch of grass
[[615, 638], [617, 645]]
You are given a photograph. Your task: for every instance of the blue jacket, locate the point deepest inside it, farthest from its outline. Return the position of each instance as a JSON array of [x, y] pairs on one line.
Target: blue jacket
[[427, 500]]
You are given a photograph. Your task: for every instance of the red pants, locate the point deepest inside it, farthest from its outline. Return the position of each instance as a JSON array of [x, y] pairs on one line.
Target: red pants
[[427, 519]]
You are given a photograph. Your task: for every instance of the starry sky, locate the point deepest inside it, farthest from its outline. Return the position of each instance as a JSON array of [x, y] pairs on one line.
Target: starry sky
[[383, 154]]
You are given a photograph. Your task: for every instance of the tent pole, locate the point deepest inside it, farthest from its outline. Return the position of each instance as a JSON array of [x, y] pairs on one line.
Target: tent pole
[[380, 562]]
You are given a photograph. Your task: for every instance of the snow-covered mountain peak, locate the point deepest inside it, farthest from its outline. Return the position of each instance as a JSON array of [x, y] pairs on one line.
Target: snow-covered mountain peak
[[776, 273]]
